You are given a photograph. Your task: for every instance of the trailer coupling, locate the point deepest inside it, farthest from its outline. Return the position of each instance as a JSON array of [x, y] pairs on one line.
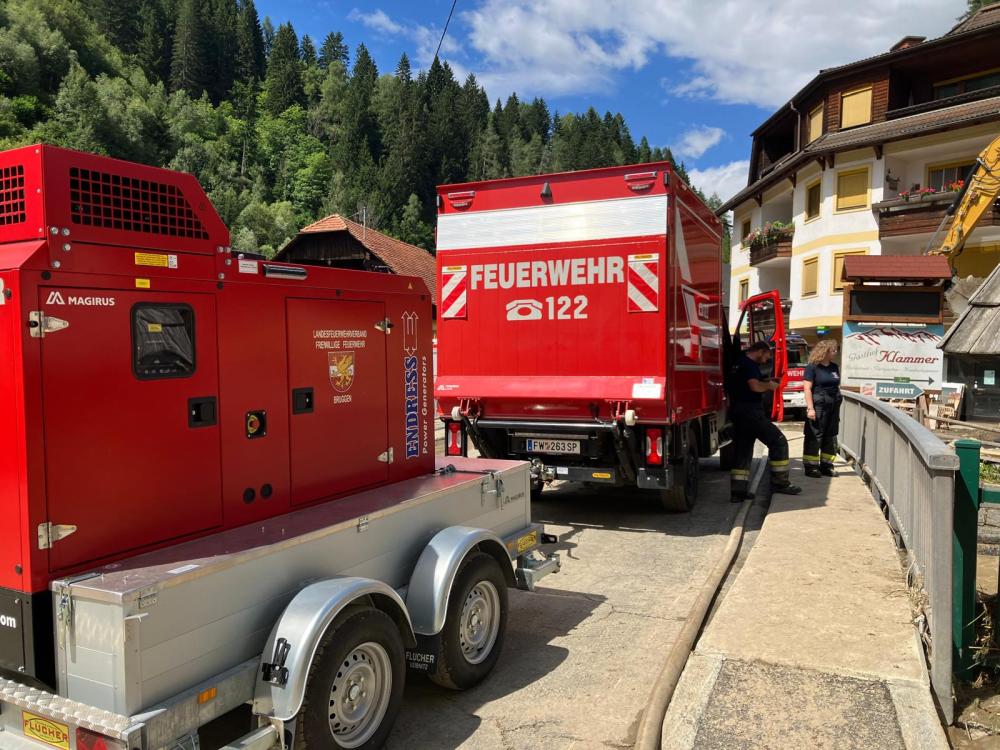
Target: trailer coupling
[[541, 473]]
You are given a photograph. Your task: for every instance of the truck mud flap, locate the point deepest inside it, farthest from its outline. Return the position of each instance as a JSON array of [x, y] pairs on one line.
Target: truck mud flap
[[654, 479], [423, 657]]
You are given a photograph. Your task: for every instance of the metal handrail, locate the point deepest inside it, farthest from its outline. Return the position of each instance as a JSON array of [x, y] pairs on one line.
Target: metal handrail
[[911, 472]]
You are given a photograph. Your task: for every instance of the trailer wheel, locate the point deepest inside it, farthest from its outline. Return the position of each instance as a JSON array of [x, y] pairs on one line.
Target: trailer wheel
[[355, 686], [474, 628], [682, 495]]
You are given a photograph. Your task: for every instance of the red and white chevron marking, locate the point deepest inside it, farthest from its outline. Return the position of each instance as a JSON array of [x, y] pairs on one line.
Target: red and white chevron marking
[[454, 291], [644, 282]]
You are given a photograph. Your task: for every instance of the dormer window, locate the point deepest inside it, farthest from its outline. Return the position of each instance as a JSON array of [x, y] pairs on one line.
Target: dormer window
[[967, 84], [856, 107]]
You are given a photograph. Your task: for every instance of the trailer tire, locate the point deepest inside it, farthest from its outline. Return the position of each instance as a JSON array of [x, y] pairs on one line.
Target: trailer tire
[[683, 492], [359, 654], [475, 625]]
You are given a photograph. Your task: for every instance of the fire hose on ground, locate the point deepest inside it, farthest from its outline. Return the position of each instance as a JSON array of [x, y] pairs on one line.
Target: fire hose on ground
[[651, 727]]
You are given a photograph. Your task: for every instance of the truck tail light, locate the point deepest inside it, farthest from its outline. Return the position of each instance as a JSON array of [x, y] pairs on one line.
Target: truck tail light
[[654, 446], [88, 740], [454, 439]]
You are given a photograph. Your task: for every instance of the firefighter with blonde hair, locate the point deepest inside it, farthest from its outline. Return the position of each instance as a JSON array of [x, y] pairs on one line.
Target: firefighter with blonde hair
[[821, 384]]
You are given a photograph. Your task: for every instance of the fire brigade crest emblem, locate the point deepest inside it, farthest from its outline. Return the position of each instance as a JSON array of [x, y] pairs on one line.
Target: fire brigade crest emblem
[[341, 365]]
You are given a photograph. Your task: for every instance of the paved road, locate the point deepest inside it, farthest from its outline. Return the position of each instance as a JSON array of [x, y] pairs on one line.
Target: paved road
[[581, 653]]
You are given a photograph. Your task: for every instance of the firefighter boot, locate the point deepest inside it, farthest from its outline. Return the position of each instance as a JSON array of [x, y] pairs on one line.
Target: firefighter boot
[[779, 478], [739, 485], [826, 467]]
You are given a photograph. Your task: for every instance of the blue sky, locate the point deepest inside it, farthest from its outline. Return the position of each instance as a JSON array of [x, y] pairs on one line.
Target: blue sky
[[693, 75]]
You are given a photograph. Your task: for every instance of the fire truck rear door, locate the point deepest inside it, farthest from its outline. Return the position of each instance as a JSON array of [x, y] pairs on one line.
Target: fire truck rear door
[[337, 373], [766, 322], [130, 400]]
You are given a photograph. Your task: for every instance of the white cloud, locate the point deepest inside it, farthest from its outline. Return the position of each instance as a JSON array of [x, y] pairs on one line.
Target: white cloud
[[725, 180], [377, 20], [735, 51], [696, 141], [425, 37]]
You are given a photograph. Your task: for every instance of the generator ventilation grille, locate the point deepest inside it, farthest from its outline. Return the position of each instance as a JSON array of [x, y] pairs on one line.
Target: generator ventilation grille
[[12, 195], [111, 201]]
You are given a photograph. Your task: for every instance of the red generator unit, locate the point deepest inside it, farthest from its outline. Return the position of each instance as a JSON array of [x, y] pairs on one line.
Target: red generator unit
[[157, 386], [580, 327]]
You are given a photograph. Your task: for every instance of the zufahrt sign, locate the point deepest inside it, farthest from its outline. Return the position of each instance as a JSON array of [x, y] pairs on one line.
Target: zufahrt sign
[[892, 353]]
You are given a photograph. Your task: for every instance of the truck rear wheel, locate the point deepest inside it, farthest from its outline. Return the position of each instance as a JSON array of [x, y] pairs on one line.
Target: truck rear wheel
[[475, 625], [683, 493], [355, 685]]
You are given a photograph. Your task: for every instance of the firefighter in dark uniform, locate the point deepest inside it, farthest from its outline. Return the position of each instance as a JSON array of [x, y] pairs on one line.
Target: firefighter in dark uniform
[[822, 391], [750, 424]]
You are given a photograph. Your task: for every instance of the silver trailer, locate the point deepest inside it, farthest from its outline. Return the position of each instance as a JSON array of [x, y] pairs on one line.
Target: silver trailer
[[312, 618]]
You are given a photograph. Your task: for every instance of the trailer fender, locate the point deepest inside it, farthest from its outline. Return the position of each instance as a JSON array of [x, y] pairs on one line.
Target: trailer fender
[[292, 645], [432, 578]]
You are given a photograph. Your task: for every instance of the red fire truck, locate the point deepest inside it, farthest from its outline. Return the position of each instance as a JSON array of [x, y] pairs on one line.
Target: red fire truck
[[218, 481], [580, 326]]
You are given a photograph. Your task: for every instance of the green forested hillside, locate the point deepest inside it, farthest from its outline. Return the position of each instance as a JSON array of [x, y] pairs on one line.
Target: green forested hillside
[[280, 129]]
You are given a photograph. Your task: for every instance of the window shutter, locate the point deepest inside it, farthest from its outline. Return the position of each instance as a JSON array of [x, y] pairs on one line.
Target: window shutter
[[838, 267], [852, 190], [816, 123], [813, 200], [856, 107], [810, 276]]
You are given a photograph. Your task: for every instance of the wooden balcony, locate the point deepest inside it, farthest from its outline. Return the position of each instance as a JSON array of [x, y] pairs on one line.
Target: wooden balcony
[[771, 250], [898, 218]]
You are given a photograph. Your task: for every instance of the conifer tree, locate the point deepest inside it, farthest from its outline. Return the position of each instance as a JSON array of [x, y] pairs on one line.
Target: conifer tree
[[283, 85], [221, 20], [249, 44], [187, 71], [645, 154], [308, 51], [119, 20], [268, 32], [333, 50], [152, 45], [412, 227], [360, 144], [403, 71]]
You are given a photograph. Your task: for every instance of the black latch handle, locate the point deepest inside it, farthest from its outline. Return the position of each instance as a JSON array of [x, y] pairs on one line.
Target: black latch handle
[[275, 671], [302, 401], [202, 412]]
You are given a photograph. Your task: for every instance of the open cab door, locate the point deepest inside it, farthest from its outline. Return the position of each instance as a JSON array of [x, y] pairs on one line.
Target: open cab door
[[762, 318]]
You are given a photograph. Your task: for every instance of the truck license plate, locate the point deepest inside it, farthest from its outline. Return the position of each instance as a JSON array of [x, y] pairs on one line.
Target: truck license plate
[[552, 446]]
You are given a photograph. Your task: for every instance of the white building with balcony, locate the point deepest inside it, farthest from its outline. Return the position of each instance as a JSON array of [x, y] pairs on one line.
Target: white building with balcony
[[865, 159]]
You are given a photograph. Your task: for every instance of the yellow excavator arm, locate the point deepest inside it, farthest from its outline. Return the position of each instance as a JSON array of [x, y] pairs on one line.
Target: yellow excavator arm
[[981, 189]]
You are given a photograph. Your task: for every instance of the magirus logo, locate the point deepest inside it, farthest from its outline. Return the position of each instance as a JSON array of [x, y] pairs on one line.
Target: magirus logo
[[57, 298]]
